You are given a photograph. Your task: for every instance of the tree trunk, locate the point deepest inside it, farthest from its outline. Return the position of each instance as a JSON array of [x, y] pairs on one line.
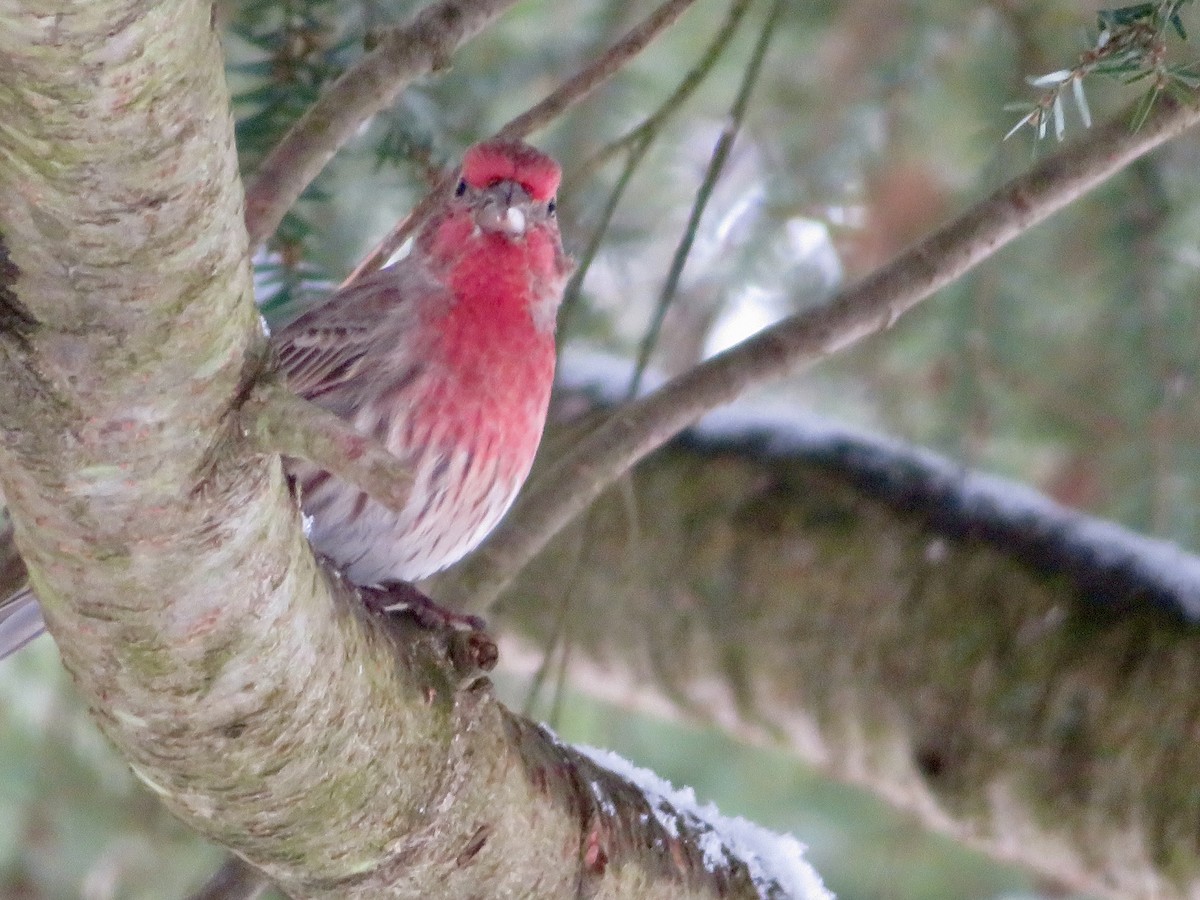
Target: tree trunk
[[344, 754]]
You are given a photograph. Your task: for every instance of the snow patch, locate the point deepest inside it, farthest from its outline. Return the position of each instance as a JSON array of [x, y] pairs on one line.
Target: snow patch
[[775, 861], [1095, 544]]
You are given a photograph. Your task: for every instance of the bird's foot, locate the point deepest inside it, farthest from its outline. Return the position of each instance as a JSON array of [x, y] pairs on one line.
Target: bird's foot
[[401, 597]]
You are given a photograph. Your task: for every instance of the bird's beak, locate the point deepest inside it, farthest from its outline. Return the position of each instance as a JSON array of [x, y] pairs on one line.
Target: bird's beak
[[504, 209]]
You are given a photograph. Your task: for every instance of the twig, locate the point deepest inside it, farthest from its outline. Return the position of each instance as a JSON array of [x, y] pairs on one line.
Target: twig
[[394, 239], [558, 636], [574, 287], [562, 98], [638, 141], [653, 123], [570, 484], [711, 175], [277, 421], [614, 59], [403, 53]]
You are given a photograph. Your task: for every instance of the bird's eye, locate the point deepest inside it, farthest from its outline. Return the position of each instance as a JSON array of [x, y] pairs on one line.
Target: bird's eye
[[551, 206], [462, 187]]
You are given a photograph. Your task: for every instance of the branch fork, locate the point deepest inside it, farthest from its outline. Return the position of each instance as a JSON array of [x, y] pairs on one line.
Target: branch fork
[[275, 420]]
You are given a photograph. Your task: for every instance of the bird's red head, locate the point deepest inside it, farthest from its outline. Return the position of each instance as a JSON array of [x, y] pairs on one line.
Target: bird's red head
[[507, 160]]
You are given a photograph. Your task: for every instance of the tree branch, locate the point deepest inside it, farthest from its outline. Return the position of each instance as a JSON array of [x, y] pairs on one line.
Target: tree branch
[[637, 141], [277, 421], [687, 86], [1014, 673], [571, 483], [712, 174], [555, 104], [402, 53], [345, 754], [614, 59]]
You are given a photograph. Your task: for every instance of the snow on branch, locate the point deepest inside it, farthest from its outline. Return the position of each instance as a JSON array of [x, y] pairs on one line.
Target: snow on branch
[[1108, 563], [775, 862]]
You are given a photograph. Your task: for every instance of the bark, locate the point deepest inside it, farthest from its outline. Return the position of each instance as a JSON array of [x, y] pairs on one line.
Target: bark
[[342, 754], [1019, 675]]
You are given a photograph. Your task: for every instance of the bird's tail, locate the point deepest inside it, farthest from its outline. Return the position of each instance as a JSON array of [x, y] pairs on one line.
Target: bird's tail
[[20, 621]]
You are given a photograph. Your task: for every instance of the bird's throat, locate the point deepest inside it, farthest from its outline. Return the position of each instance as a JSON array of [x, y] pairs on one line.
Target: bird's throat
[[499, 357]]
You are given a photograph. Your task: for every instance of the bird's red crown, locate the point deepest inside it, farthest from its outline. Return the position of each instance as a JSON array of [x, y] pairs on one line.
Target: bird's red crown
[[501, 160]]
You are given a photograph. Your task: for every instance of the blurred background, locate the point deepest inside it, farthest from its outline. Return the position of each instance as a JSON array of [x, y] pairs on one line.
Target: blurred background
[[1066, 362]]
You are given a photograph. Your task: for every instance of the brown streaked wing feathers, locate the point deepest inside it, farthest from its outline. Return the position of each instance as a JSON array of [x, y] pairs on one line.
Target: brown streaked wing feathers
[[330, 345]]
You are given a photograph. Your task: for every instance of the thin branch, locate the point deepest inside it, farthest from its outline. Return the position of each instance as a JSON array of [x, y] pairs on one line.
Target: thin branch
[[402, 54], [653, 123], [614, 59], [277, 421], [638, 141], [558, 637], [394, 239], [872, 305], [235, 880], [555, 104], [574, 287], [711, 175]]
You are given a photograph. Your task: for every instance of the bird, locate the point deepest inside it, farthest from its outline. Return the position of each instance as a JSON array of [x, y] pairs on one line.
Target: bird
[[446, 357]]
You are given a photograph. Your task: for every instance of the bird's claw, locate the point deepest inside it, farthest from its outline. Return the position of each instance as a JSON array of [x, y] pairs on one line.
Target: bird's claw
[[401, 598]]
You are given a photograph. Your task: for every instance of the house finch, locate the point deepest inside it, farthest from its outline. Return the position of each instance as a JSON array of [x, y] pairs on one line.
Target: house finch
[[447, 357]]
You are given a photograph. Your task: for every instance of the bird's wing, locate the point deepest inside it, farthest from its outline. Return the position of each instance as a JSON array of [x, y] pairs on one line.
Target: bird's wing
[[321, 356], [20, 621], [334, 343]]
